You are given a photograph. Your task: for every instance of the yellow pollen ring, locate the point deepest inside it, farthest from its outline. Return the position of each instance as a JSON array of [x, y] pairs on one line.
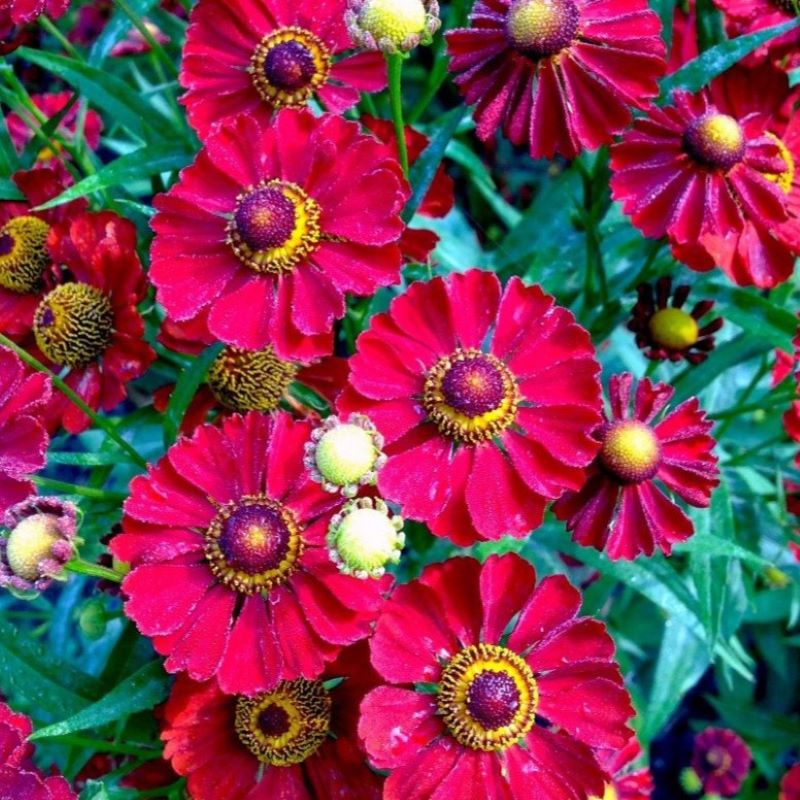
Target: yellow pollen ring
[[785, 179], [674, 329]]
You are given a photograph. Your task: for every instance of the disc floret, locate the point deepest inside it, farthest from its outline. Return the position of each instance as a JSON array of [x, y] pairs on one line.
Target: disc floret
[[23, 253], [715, 140], [392, 26], [542, 28], [630, 451]]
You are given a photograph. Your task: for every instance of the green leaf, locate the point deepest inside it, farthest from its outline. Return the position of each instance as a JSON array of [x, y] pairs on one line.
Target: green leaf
[[184, 391], [141, 163], [141, 691], [702, 70], [116, 29], [84, 459], [758, 316], [9, 190]]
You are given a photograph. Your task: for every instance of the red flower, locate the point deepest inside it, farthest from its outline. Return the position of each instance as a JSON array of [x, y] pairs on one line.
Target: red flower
[[88, 323], [621, 509], [21, 12], [23, 438], [254, 57], [231, 576], [19, 777], [627, 782], [295, 742], [721, 760], [790, 785], [464, 383], [557, 75], [26, 265], [417, 243], [699, 172], [518, 718], [271, 226], [50, 105]]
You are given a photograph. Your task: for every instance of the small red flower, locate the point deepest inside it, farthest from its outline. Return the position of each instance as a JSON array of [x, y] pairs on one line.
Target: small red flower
[[665, 331], [558, 75], [26, 264], [520, 718], [790, 785], [23, 437], [254, 57], [88, 323], [270, 227], [622, 509], [721, 760], [231, 577], [297, 741], [464, 381]]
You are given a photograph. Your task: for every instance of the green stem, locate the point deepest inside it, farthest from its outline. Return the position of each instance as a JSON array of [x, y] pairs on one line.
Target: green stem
[[730, 415], [394, 64], [82, 491], [105, 747], [81, 567], [48, 25], [100, 421]]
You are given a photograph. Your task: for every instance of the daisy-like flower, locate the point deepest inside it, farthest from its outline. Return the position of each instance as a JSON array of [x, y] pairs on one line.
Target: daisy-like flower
[[627, 782], [621, 509], [665, 331], [392, 26], [40, 540], [465, 381], [88, 323], [271, 226], [558, 76], [296, 741], [255, 57], [230, 571], [698, 172], [721, 760], [524, 687], [790, 784], [23, 437], [26, 265], [19, 777], [50, 105]]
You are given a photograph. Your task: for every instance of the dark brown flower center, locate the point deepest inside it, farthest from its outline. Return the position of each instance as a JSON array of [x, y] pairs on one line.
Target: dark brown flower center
[[630, 451], [493, 699], [73, 324], [542, 28], [23, 253], [715, 140]]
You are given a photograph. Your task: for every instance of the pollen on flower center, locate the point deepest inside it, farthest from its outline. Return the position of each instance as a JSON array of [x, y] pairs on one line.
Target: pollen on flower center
[[471, 396], [674, 328], [288, 66], [30, 543], [274, 226], [488, 697], [23, 253], [394, 21], [250, 380], [715, 140], [630, 451], [541, 28], [253, 544], [73, 324], [287, 725], [785, 179], [719, 760]]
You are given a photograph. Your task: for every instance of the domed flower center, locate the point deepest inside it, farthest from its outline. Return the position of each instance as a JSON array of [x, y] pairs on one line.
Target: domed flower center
[[719, 760], [630, 451], [541, 28], [287, 725], [73, 324], [364, 537], [30, 543], [250, 380], [674, 329], [288, 66], [488, 697], [274, 226], [715, 140], [253, 544], [471, 396], [23, 253], [785, 179], [393, 22]]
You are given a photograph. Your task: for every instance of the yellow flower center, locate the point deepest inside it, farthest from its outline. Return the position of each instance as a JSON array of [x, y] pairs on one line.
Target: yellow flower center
[[674, 329], [630, 451], [73, 324], [488, 697], [250, 380], [30, 543], [715, 140], [274, 227], [471, 396], [393, 21], [288, 66], [285, 726], [541, 28], [785, 179], [253, 544], [23, 253]]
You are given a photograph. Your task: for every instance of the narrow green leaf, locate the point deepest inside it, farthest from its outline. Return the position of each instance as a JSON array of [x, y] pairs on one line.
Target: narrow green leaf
[[84, 459], [758, 316], [9, 190], [115, 30], [141, 691]]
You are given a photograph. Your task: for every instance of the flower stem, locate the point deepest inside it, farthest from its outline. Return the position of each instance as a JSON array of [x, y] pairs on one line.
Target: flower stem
[[82, 491], [103, 746], [100, 421], [394, 63], [48, 25], [81, 567]]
